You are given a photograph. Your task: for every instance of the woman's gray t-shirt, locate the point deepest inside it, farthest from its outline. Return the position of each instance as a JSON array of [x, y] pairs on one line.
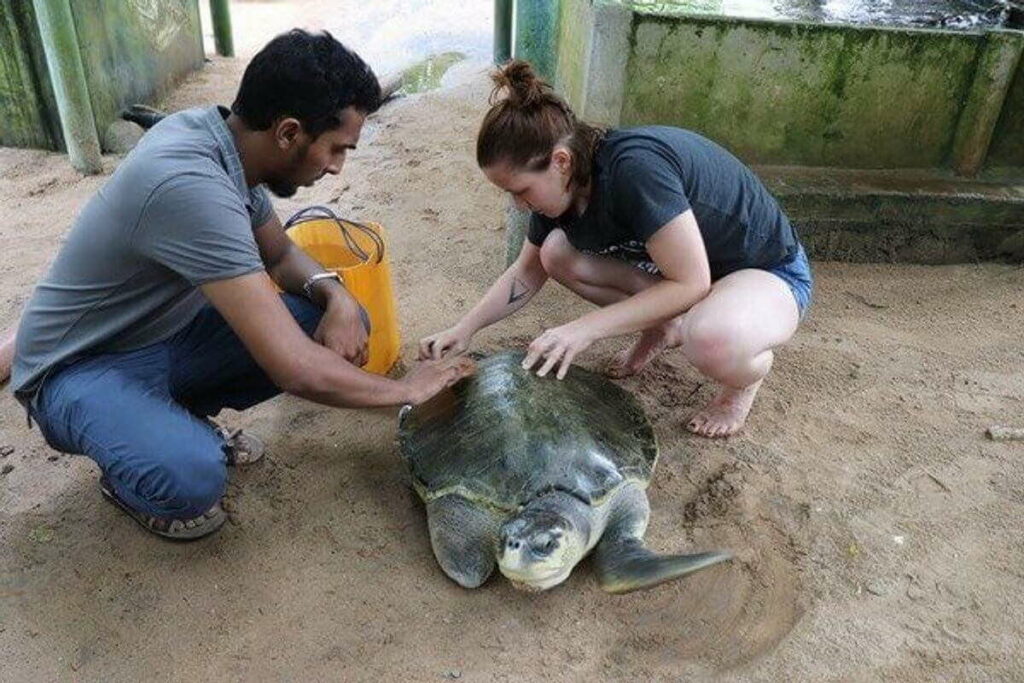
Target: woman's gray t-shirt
[[176, 214], [644, 177]]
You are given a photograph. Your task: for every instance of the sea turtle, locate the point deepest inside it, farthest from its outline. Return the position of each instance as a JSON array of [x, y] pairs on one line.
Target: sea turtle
[[532, 473]]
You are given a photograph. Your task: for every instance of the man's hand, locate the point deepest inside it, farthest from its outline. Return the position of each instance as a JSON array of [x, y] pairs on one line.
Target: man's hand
[[342, 329], [430, 377], [450, 342]]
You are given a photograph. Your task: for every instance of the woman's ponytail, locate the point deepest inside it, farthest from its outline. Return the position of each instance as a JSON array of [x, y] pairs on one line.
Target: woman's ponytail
[[525, 122]]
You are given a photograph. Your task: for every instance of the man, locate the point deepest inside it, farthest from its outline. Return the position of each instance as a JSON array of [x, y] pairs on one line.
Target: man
[[160, 308]]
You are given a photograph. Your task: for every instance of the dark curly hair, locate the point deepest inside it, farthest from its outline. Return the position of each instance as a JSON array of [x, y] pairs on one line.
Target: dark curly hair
[[309, 76]]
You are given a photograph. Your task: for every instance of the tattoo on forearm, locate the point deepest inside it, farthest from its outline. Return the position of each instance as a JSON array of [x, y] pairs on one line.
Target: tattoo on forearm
[[518, 290]]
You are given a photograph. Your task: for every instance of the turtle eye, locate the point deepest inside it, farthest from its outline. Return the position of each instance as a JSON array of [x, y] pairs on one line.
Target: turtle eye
[[545, 545]]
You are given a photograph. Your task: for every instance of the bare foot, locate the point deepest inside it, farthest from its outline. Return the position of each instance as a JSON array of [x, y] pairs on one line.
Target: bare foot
[[651, 342], [726, 413]]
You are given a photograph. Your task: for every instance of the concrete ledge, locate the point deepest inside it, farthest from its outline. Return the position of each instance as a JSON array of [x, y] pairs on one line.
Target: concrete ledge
[[914, 216]]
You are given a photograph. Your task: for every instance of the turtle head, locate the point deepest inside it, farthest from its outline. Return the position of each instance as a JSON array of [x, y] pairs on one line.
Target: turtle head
[[538, 549]]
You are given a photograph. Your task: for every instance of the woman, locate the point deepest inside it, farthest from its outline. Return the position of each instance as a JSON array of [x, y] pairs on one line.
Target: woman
[[663, 229]]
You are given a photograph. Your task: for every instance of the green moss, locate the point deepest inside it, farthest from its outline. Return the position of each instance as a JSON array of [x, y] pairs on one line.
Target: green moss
[[1008, 139], [134, 57], [27, 108], [801, 93]]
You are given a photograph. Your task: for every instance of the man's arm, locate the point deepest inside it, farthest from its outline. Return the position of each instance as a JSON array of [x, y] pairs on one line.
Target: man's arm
[[341, 329], [301, 367], [289, 266]]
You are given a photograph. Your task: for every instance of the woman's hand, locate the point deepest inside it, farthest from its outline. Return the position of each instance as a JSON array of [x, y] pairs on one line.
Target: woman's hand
[[559, 345], [453, 341]]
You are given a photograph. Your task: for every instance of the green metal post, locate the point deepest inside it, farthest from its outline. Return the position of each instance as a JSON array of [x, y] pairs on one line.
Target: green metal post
[[64, 61], [537, 35], [502, 31], [221, 14]]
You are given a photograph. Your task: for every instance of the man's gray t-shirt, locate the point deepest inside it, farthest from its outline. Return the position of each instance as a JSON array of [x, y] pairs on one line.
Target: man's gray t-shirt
[[176, 214]]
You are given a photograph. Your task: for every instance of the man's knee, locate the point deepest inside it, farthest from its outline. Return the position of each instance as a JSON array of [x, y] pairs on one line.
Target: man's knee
[[308, 315], [305, 312], [365, 317], [558, 256], [186, 486]]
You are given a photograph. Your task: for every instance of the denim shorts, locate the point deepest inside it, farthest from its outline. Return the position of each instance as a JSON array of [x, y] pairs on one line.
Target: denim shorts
[[796, 273]]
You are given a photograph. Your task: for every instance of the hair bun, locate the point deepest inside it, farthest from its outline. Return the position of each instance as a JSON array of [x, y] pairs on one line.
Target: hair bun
[[520, 84]]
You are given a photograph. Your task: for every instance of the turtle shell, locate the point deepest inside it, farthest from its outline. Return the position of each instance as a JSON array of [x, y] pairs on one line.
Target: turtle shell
[[505, 435]]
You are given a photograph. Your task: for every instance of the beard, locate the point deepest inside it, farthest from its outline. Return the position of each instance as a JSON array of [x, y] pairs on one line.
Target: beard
[[285, 185], [282, 188]]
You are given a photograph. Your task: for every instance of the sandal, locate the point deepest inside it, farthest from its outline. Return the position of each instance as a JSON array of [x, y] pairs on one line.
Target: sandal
[[177, 529], [240, 448]]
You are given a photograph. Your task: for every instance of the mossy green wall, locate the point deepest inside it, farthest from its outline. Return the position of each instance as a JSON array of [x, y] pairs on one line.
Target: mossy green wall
[[28, 112], [572, 47], [132, 51], [800, 93], [1007, 147]]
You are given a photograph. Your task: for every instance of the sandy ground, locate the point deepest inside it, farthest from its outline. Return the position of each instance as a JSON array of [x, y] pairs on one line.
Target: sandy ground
[[877, 530]]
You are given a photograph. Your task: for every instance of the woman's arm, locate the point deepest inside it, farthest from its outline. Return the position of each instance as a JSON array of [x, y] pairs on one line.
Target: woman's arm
[[508, 294], [678, 250]]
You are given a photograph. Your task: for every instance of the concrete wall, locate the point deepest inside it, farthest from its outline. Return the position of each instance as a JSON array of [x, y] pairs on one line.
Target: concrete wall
[[135, 50], [802, 94], [880, 143], [797, 93], [28, 112], [1007, 148], [132, 51]]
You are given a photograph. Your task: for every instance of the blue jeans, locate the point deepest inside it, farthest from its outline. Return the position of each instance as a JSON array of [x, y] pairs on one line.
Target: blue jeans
[[141, 414], [797, 274]]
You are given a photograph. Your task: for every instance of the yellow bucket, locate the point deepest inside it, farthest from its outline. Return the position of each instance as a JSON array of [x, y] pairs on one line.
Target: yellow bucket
[[358, 253]]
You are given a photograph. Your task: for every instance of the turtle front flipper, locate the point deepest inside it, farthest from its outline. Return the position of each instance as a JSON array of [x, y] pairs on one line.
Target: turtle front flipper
[[464, 537], [624, 564]]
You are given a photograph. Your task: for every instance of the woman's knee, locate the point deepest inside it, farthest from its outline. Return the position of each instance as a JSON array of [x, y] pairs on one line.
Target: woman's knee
[[558, 256], [711, 345]]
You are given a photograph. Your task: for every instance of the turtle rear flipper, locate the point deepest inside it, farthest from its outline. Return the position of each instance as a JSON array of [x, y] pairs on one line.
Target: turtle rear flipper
[[625, 565]]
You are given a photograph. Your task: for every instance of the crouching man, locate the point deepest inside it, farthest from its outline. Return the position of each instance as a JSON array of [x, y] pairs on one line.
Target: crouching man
[[161, 308]]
